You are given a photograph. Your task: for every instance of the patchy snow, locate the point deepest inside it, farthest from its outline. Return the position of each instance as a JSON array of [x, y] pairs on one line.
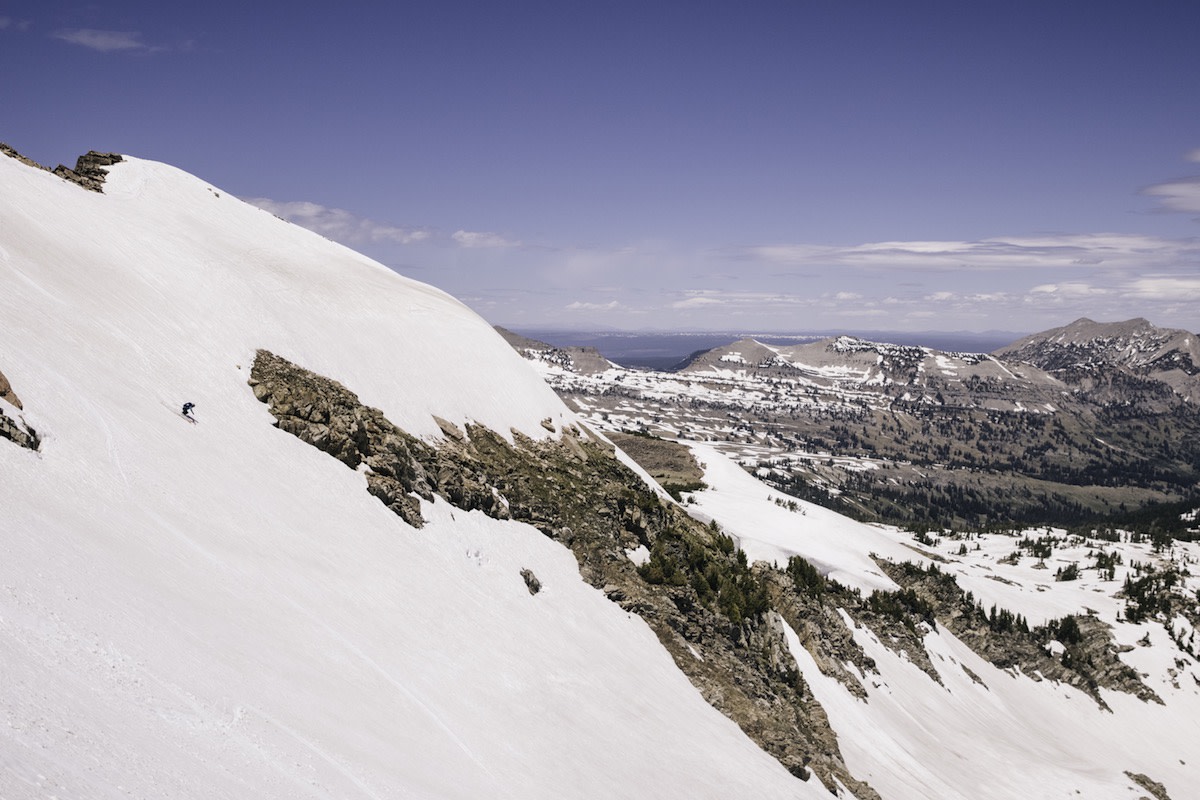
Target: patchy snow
[[638, 555], [1000, 734], [220, 608]]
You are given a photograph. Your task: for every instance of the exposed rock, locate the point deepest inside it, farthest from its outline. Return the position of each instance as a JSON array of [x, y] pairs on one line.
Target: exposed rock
[[11, 153], [12, 426], [1089, 658], [89, 169], [708, 608], [821, 631], [531, 581], [1153, 787], [7, 393]]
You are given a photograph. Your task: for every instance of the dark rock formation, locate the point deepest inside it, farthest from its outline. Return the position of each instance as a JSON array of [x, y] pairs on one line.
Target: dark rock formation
[[531, 581], [89, 169], [7, 393], [709, 609], [13, 427], [1088, 659], [11, 153], [1155, 788]]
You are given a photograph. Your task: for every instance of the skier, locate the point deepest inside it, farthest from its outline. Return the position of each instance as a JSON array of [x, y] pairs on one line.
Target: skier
[[187, 411]]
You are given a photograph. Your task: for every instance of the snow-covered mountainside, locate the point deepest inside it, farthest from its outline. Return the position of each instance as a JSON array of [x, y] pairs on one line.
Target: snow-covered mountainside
[[386, 561], [938, 718], [220, 610]]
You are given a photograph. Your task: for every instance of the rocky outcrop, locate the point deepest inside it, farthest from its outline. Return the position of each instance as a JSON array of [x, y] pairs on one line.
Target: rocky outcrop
[[1156, 789], [531, 581], [708, 608], [89, 169], [7, 394], [12, 426], [12, 153], [1085, 655]]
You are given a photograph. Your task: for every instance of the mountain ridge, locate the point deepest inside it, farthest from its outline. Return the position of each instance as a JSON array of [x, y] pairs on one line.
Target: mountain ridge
[[887, 432]]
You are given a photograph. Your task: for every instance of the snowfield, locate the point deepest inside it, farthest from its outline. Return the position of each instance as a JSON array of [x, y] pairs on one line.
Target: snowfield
[[221, 611], [1009, 735]]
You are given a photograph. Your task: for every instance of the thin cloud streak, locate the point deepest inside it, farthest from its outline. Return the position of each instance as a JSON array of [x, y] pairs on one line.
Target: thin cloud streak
[[350, 229], [1113, 250], [1181, 195], [484, 239], [339, 224], [579, 305], [105, 41]]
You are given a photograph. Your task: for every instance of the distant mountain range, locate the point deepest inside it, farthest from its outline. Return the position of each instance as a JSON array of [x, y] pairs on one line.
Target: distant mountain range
[[1069, 424], [664, 350]]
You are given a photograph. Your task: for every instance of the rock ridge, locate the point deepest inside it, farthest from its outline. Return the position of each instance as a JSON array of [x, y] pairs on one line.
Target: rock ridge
[[89, 171]]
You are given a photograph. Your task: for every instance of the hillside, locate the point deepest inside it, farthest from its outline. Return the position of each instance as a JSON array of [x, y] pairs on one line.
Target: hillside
[[387, 561], [222, 606]]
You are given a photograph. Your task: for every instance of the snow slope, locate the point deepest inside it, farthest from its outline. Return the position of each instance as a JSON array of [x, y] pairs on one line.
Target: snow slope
[[1004, 735], [220, 610]]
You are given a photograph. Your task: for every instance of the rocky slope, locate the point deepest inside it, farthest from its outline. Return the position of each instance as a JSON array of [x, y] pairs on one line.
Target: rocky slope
[[703, 608], [1117, 362]]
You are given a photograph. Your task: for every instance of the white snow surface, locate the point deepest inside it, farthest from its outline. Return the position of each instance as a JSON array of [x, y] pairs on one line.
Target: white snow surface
[[746, 509], [219, 610], [1006, 735]]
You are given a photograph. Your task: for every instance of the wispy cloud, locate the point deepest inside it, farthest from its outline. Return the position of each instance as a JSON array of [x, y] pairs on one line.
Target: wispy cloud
[[1071, 289], [482, 239], [697, 302], [1182, 194], [350, 229], [106, 41], [579, 305], [743, 298], [1113, 250], [339, 224], [1165, 288], [1178, 195]]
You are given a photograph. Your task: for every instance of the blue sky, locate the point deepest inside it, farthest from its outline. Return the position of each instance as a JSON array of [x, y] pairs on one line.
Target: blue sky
[[762, 165]]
